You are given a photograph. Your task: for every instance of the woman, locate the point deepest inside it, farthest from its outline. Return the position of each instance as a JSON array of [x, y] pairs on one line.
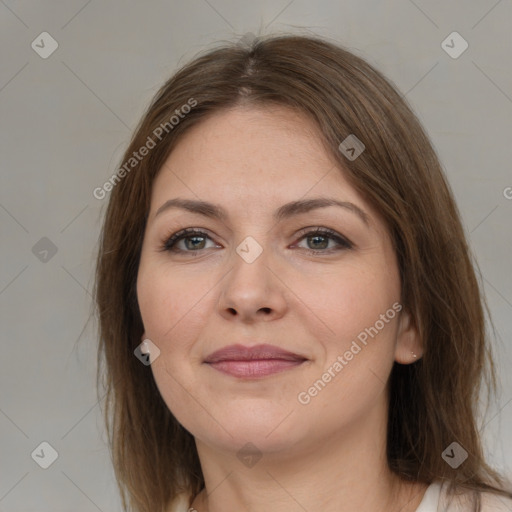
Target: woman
[[289, 314]]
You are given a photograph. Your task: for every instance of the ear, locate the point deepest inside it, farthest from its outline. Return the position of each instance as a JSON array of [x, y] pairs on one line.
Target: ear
[[408, 348]]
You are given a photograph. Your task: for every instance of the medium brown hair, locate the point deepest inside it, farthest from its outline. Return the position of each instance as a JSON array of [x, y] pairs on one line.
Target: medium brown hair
[[433, 402]]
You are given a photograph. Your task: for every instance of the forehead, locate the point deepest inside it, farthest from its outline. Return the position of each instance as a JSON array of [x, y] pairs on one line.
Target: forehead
[[248, 157]]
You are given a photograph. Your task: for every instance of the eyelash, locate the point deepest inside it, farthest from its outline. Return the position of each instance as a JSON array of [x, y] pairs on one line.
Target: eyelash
[[170, 242]]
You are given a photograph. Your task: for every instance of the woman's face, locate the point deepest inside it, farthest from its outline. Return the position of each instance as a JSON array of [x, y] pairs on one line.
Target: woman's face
[[259, 274]]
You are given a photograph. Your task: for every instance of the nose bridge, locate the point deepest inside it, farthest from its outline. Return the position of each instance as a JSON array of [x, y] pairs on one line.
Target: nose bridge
[[251, 285], [250, 250], [250, 261]]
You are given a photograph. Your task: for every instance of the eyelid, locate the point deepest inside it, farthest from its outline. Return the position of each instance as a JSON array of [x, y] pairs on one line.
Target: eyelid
[[169, 242], [176, 236], [342, 240]]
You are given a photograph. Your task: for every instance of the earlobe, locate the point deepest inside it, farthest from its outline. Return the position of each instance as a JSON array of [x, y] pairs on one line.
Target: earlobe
[[408, 348]]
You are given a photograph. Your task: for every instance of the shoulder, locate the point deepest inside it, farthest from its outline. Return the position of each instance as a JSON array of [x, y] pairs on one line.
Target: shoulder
[[463, 501], [495, 503], [181, 503]]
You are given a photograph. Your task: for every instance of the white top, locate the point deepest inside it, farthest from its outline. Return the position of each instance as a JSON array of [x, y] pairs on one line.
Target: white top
[[434, 500]]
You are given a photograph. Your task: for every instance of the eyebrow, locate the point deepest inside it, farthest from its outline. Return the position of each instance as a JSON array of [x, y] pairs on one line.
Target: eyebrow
[[286, 211]]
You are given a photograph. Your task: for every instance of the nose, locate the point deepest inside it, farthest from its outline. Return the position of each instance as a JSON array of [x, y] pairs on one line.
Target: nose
[[252, 291]]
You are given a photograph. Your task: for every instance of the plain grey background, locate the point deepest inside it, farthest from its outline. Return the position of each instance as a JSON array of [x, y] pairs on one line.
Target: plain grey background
[[67, 118]]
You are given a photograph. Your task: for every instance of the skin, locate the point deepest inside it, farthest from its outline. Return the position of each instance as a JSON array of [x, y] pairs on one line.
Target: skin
[[328, 454]]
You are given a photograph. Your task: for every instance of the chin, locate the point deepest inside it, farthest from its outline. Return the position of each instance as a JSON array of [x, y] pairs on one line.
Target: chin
[[265, 429]]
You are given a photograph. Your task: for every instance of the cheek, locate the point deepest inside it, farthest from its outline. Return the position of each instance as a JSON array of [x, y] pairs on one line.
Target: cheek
[[169, 302], [350, 299], [358, 333], [166, 302], [359, 357]]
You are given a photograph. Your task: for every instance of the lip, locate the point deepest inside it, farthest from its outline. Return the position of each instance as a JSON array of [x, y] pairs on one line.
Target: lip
[[253, 362]]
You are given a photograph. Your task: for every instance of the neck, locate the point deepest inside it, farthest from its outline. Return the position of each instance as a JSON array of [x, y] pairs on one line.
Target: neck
[[339, 473]]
